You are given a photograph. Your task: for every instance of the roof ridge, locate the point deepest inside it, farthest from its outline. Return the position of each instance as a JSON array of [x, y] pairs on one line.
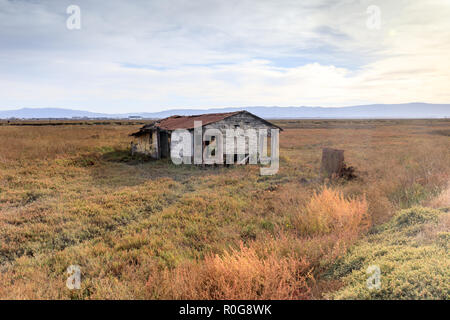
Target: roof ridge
[[188, 122], [206, 114]]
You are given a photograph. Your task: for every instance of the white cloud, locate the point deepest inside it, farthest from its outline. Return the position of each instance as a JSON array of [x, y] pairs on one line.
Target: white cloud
[[152, 55]]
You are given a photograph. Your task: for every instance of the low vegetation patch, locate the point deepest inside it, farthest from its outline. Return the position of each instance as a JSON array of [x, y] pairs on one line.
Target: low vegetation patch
[[412, 253]]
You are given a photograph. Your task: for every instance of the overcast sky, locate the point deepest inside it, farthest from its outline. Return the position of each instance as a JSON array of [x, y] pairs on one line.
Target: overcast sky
[[135, 55]]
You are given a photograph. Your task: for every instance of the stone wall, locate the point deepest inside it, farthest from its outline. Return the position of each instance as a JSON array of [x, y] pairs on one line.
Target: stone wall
[[145, 144], [243, 121]]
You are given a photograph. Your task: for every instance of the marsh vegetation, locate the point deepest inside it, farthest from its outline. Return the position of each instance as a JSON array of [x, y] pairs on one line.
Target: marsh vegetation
[[72, 195]]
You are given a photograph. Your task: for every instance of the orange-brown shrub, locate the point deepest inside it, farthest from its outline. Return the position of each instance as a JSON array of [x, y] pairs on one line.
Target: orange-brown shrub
[[329, 212], [442, 200], [238, 274]]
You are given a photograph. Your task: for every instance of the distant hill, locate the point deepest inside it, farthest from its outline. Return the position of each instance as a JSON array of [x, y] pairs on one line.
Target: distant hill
[[378, 111], [28, 113]]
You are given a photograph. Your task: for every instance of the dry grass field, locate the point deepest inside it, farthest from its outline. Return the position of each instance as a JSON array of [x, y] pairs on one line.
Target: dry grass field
[[72, 195]]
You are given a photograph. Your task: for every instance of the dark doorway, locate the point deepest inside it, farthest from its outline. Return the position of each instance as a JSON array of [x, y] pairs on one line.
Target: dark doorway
[[164, 139]]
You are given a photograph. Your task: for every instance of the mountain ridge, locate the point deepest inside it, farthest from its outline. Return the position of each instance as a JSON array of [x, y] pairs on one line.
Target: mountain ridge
[[383, 111]]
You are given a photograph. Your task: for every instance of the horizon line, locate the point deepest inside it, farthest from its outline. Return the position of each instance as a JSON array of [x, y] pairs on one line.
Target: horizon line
[[218, 108]]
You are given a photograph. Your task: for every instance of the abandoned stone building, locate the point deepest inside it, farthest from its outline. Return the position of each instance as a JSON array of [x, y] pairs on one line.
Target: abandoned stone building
[[158, 139]]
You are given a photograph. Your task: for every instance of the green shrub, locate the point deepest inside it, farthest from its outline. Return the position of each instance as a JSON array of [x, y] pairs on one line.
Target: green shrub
[[414, 216], [410, 267]]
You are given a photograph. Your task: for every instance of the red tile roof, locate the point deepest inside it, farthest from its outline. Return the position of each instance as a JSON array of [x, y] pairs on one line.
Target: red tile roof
[[187, 122]]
